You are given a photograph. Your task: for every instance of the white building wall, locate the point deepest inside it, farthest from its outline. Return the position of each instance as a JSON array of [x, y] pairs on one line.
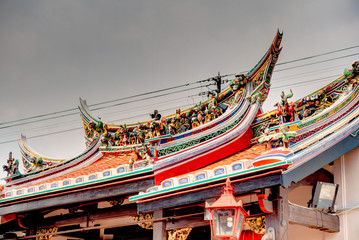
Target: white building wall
[[346, 174], [301, 196]]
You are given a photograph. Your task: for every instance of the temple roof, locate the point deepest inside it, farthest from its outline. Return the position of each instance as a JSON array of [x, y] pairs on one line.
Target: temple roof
[[237, 141]]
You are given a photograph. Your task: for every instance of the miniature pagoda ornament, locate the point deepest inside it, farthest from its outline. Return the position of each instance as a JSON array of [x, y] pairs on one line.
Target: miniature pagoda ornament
[[227, 215]]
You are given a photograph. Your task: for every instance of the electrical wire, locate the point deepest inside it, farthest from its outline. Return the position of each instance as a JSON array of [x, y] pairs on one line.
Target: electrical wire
[[143, 107], [166, 89], [160, 110], [308, 81], [111, 113], [187, 84], [142, 99], [118, 104], [43, 135], [295, 76], [322, 61], [101, 103], [318, 55], [79, 128]]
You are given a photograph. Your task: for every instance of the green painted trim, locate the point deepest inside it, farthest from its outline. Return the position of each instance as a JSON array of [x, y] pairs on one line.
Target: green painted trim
[[285, 124], [208, 180], [142, 170], [158, 138]]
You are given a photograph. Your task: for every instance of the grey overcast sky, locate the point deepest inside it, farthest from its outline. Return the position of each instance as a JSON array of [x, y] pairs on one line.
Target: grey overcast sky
[[54, 51]]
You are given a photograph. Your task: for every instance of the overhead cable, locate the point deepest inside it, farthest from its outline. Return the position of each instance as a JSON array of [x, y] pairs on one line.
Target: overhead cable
[[322, 61], [165, 89], [318, 55], [118, 104]]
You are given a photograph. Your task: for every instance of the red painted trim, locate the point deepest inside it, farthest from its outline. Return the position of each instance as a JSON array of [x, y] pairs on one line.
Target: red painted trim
[[261, 204], [244, 118], [19, 222], [209, 157], [263, 162]]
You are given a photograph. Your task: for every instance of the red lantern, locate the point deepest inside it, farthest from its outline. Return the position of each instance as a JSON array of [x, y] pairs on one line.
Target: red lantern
[[227, 215]]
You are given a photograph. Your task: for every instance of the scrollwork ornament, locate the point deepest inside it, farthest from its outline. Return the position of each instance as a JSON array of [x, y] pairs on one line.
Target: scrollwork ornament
[[45, 231], [257, 224], [142, 217], [179, 234]]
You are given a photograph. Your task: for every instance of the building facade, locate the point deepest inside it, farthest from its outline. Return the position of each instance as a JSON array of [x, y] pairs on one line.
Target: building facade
[[152, 180]]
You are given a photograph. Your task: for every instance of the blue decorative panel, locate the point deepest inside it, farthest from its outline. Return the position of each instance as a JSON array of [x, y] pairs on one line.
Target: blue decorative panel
[[54, 185], [183, 181], [121, 170], [19, 192], [152, 190], [167, 184], [237, 167], [106, 174], [67, 182], [79, 180], [30, 190], [92, 177], [8, 194], [219, 171], [42, 187], [201, 176]]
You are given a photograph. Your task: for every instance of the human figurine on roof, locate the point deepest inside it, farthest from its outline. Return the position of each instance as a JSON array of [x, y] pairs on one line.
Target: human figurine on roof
[[163, 126], [172, 128], [284, 98], [155, 115], [186, 125], [285, 109], [242, 79], [91, 129], [353, 72], [178, 114], [12, 166], [214, 95]]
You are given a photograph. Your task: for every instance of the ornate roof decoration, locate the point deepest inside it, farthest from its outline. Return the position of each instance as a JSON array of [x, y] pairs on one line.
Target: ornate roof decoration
[[226, 136]]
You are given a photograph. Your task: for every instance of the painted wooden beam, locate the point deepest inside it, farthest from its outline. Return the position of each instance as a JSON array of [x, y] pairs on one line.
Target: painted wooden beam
[[313, 218], [159, 227], [279, 219], [95, 194], [100, 214], [201, 195], [191, 222]]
